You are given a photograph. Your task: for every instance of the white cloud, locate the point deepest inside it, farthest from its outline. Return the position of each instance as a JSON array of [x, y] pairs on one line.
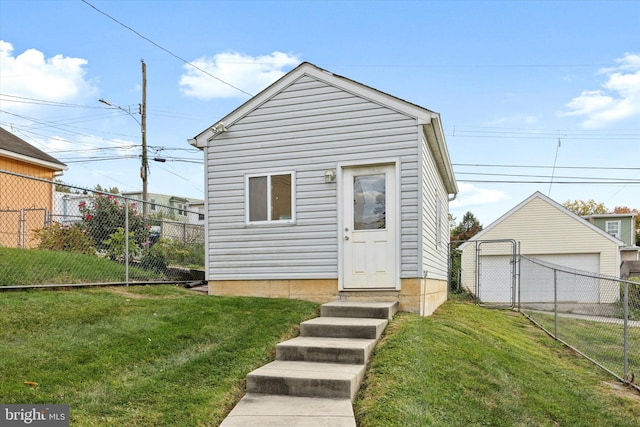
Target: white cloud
[[251, 74], [32, 75], [470, 195], [619, 98]]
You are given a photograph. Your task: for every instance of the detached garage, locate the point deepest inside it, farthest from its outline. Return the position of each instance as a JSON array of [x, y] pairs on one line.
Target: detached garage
[[545, 230]]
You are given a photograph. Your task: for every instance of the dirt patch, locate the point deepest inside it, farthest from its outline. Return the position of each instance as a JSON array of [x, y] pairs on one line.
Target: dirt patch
[[623, 390], [125, 292]]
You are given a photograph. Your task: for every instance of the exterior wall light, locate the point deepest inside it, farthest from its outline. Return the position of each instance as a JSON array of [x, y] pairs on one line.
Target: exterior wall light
[[330, 176]]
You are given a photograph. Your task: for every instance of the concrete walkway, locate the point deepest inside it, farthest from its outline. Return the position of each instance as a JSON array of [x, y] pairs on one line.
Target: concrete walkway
[[317, 375]]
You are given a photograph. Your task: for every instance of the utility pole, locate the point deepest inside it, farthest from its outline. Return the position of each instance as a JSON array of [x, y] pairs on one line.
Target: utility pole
[[144, 169]]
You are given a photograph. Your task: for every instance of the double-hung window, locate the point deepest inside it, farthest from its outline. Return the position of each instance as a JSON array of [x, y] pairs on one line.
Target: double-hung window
[[613, 228], [270, 198]]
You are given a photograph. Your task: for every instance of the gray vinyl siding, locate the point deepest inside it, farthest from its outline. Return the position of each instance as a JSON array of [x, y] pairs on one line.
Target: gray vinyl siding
[[435, 240], [306, 129]]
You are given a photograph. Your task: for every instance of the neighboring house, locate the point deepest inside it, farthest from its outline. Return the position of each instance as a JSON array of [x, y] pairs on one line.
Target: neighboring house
[[181, 209], [549, 232], [177, 218], [621, 226], [320, 187], [25, 204], [67, 207]]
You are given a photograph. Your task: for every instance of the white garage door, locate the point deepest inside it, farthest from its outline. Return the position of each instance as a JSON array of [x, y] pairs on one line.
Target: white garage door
[[584, 262], [537, 283]]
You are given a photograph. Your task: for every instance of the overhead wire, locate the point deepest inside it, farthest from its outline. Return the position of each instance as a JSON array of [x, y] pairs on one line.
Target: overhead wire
[[494, 165], [504, 133], [549, 181], [165, 49]]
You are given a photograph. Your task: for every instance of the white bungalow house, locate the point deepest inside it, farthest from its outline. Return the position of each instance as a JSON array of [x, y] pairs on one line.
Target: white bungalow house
[[320, 188], [547, 231]]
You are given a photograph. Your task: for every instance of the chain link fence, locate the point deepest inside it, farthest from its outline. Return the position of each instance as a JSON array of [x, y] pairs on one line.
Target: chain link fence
[[52, 233], [597, 316]]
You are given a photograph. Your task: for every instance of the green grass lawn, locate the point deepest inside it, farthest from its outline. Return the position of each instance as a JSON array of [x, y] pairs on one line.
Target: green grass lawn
[[21, 267], [138, 356], [603, 342], [471, 366], [166, 356]]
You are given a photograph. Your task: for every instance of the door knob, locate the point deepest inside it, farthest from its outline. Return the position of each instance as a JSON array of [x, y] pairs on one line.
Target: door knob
[[346, 237]]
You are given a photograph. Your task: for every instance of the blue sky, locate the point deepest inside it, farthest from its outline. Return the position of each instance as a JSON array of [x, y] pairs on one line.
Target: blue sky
[[522, 85]]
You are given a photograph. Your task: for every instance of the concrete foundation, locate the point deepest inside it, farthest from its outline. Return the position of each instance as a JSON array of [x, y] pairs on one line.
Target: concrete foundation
[[420, 296]]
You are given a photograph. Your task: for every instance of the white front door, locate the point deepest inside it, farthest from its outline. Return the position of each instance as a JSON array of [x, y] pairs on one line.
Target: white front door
[[369, 227]]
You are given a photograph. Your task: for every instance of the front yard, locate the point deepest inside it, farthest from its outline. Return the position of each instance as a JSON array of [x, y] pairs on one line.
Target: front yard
[[163, 355], [138, 356]]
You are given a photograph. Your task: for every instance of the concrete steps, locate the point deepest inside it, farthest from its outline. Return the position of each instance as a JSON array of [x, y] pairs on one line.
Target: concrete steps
[[308, 379], [343, 327], [325, 364], [374, 310], [271, 410], [326, 350]]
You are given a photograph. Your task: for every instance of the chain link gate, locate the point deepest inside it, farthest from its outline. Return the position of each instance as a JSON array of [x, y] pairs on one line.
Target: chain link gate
[[488, 269]]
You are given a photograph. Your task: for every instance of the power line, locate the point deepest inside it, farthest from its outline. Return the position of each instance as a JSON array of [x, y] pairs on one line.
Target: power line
[[543, 166], [96, 159], [522, 133], [25, 100], [551, 178], [629, 137], [165, 49], [470, 65], [548, 182]]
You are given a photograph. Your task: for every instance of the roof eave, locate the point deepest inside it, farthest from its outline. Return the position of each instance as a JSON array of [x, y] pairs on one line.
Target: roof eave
[[58, 167], [436, 142]]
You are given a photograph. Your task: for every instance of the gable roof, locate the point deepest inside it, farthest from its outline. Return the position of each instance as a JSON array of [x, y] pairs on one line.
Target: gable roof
[[561, 210], [429, 120], [16, 148]]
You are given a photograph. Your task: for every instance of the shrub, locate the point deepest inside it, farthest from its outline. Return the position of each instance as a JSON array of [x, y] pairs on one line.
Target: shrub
[[155, 257], [69, 238], [116, 245], [103, 215]]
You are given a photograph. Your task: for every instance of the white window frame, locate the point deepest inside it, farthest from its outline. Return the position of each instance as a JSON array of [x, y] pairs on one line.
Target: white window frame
[[269, 220], [618, 233]]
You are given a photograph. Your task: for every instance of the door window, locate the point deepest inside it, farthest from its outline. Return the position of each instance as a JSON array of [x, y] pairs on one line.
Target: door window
[[369, 202]]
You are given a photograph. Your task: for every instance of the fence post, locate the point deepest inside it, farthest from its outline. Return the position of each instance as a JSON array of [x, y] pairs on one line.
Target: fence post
[[626, 331], [126, 241], [555, 302], [21, 226]]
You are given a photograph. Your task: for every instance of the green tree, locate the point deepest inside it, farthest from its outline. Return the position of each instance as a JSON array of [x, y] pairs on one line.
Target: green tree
[[583, 208], [112, 190], [61, 187], [466, 229]]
